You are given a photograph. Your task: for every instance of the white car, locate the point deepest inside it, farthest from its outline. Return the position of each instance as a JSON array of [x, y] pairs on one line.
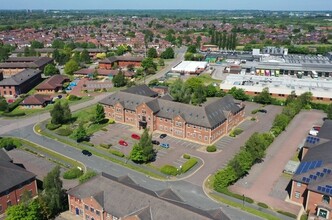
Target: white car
[[313, 132]]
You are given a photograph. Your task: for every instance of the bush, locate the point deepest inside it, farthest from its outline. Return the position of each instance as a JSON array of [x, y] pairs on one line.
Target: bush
[[186, 156], [52, 127], [64, 131], [211, 148], [111, 121], [10, 114], [254, 111], [104, 129], [287, 214], [169, 170], [304, 217], [9, 143], [13, 105], [117, 153], [88, 175], [188, 164], [73, 98], [235, 132], [263, 205], [106, 146], [253, 119], [72, 173]]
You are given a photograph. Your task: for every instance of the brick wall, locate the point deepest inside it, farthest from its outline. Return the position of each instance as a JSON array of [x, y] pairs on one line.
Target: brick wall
[[299, 192], [7, 91], [106, 66], [317, 201], [126, 63]]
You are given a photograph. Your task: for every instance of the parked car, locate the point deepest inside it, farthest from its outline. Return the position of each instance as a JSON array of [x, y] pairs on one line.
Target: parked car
[[162, 136], [135, 136], [155, 142], [317, 128], [164, 145], [262, 110], [123, 143], [86, 153]]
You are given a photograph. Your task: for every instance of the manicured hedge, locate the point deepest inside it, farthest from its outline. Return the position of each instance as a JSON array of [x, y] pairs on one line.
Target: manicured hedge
[[52, 127], [263, 205], [287, 214], [235, 132], [106, 146], [254, 111], [64, 131], [169, 170], [10, 114], [117, 153], [73, 98], [72, 173], [188, 164], [88, 175], [186, 156], [211, 148]]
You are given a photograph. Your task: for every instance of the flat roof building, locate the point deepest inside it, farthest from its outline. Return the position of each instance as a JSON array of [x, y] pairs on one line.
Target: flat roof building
[[190, 67]]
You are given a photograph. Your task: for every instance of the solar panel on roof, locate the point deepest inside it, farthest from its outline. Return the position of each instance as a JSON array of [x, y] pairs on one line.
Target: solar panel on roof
[[321, 174], [319, 188], [319, 163], [315, 177], [311, 176], [323, 189], [327, 190], [304, 179], [328, 171], [328, 186], [298, 171], [313, 164]]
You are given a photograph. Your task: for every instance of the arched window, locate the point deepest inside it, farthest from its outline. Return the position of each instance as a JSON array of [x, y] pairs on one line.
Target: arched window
[[326, 199]]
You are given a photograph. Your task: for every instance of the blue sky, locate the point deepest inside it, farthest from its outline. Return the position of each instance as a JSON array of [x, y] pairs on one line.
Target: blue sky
[[169, 4]]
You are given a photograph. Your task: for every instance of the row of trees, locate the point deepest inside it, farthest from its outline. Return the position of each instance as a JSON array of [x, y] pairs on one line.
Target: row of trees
[[52, 201], [224, 40], [191, 54], [167, 54]]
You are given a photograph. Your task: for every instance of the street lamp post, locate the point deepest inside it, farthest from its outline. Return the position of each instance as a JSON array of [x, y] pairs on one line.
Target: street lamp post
[[243, 198]]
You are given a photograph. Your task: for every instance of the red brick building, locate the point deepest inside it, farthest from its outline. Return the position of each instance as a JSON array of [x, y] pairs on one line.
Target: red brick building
[[36, 101], [52, 84], [20, 83], [139, 107], [120, 61], [311, 185], [106, 197], [14, 182]]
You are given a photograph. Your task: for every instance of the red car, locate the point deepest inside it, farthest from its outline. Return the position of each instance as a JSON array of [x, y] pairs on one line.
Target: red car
[[123, 143], [135, 136]]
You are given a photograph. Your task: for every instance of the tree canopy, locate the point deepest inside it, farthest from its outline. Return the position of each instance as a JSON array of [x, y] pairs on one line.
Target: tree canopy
[[143, 151], [60, 114], [168, 53], [119, 79], [152, 53], [71, 66], [50, 70]]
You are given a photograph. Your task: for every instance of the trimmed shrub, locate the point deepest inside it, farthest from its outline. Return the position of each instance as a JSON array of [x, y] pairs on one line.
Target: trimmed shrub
[[88, 175], [52, 127], [64, 131], [188, 164], [237, 131], [117, 153], [106, 146], [10, 114], [253, 119], [304, 217], [263, 205], [287, 214], [111, 121], [254, 111], [169, 170], [73, 98], [9, 143], [186, 156], [104, 129], [211, 148], [72, 173]]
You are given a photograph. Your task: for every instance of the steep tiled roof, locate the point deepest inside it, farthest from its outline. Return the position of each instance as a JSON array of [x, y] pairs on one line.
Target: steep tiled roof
[[26, 62], [20, 77], [121, 58], [136, 201], [37, 99], [53, 82], [143, 90]]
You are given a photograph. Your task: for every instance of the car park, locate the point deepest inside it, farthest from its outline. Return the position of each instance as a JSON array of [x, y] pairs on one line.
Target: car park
[[164, 145], [162, 136], [155, 142], [123, 143], [135, 136], [86, 152]]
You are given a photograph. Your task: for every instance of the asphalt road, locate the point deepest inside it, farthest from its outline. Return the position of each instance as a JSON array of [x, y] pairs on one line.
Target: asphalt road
[[190, 193]]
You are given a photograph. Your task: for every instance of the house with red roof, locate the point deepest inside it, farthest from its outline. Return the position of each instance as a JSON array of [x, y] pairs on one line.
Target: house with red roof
[[52, 85]]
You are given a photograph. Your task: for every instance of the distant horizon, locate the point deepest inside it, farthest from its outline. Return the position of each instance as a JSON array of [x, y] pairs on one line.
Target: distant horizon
[[159, 9], [280, 5]]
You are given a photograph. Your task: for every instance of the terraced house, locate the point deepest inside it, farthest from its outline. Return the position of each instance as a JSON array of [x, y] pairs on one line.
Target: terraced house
[[140, 107]]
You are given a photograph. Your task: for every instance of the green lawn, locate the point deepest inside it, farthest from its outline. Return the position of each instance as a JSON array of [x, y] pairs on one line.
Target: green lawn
[[207, 79]]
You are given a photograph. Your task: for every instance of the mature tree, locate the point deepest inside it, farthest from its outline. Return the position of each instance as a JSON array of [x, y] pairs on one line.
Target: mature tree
[[57, 114], [211, 90], [168, 53], [66, 112], [36, 44], [192, 49], [80, 133], [100, 113], [198, 96], [291, 98], [119, 80], [143, 151], [305, 99], [53, 197], [85, 57], [256, 146], [224, 178], [152, 53], [29, 211], [148, 63], [58, 44], [154, 82], [238, 93], [194, 83], [176, 90], [329, 111], [264, 97], [50, 70], [71, 66]]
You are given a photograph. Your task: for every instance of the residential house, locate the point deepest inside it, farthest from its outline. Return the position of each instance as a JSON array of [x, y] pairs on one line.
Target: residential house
[[92, 51], [52, 85], [14, 65], [15, 181], [140, 107], [107, 197], [102, 72], [311, 185], [20, 83], [43, 52], [36, 101], [161, 90], [120, 61]]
